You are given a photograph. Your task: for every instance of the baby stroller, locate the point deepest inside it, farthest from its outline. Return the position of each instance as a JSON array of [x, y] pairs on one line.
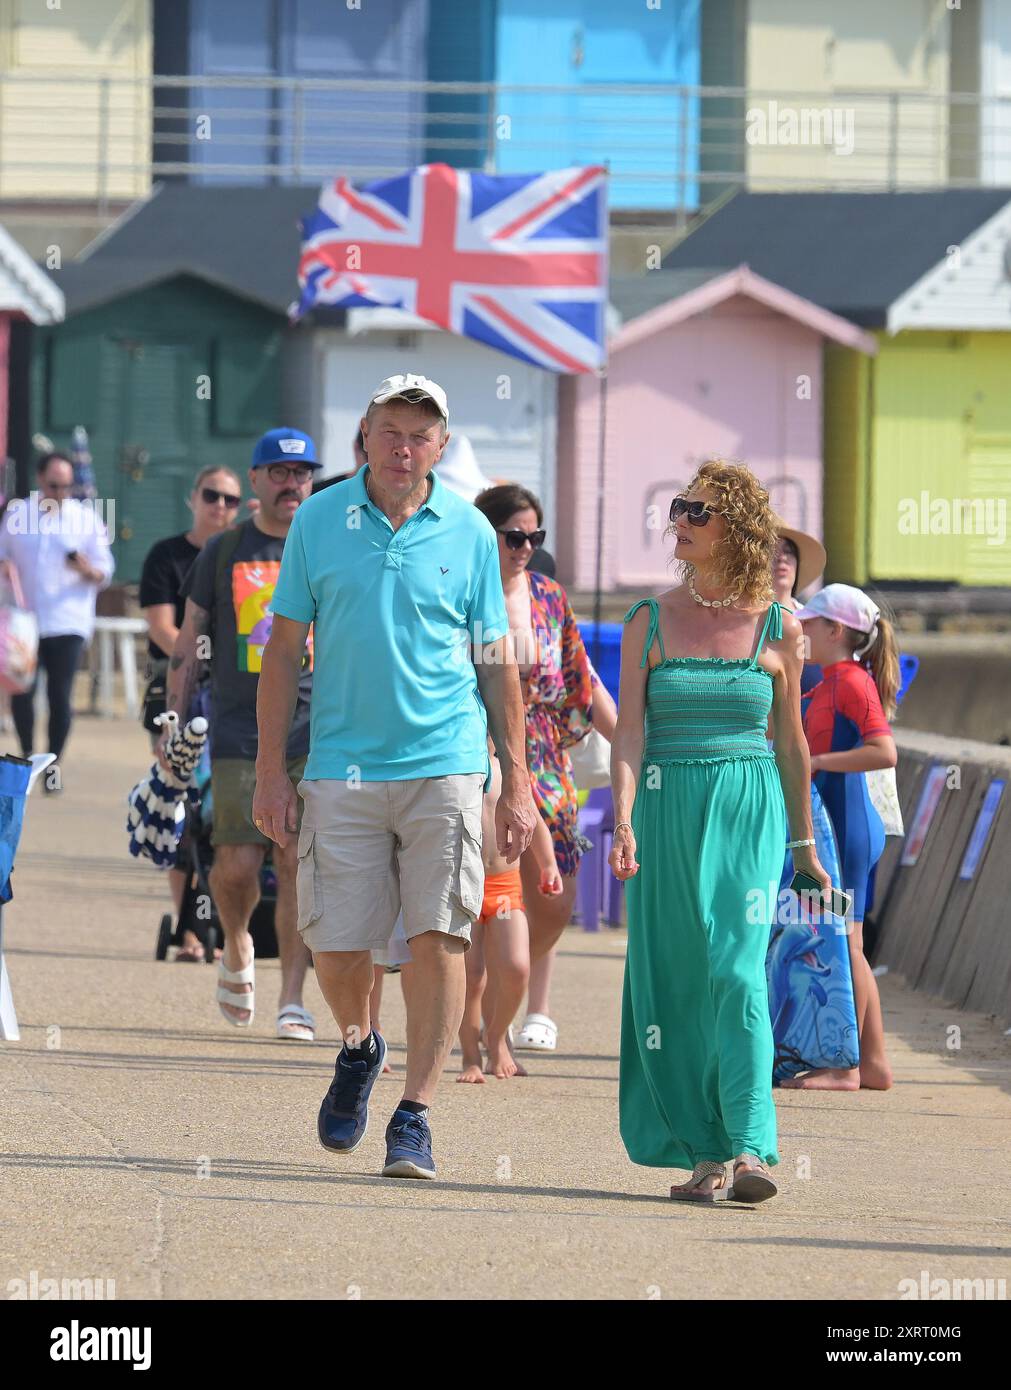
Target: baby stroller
[[198, 913]]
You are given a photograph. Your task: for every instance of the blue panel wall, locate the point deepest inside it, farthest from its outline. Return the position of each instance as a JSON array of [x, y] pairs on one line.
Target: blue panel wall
[[461, 48], [379, 131], [357, 133], [234, 38], [579, 46]]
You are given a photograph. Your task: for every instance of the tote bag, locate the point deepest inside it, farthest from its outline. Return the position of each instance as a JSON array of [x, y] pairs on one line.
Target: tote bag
[[884, 795], [19, 640], [591, 762]]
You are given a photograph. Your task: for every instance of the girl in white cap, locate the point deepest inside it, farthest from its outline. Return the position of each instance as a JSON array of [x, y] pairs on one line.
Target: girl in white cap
[[848, 734]]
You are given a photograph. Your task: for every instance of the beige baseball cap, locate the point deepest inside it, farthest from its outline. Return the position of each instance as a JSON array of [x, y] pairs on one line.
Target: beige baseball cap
[[409, 387]]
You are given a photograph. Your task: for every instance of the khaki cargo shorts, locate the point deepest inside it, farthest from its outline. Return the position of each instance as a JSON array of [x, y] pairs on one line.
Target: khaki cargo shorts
[[369, 851]]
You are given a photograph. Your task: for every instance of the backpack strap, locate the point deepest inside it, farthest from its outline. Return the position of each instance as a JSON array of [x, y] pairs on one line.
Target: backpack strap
[[653, 632], [225, 554], [227, 547]]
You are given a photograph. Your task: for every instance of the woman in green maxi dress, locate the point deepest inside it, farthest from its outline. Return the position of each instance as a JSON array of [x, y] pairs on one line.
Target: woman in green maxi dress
[[700, 797]]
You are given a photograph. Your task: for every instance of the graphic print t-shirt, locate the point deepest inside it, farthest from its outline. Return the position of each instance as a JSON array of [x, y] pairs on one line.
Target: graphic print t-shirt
[[241, 618]]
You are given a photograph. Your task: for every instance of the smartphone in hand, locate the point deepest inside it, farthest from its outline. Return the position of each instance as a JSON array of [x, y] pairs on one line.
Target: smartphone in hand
[[840, 903]]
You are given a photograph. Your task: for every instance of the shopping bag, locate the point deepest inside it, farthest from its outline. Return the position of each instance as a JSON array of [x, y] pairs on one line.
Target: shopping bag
[[813, 1012], [19, 639], [884, 794], [591, 762]]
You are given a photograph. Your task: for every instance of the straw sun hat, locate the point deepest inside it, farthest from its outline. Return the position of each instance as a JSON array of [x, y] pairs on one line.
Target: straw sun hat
[[811, 553]]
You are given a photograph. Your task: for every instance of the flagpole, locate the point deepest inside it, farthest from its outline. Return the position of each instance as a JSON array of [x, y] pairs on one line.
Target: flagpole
[[601, 436], [601, 454]]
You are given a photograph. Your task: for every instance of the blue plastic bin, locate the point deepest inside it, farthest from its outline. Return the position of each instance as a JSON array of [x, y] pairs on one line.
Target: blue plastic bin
[[608, 660]]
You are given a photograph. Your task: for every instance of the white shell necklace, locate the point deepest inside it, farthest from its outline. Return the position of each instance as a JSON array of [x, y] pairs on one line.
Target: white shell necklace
[[711, 602]]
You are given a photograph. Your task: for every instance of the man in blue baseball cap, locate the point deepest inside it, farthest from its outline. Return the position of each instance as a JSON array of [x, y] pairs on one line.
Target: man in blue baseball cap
[[285, 446], [229, 593]]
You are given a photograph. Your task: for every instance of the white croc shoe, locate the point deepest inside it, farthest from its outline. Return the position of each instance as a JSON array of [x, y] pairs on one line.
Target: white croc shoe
[[538, 1034]]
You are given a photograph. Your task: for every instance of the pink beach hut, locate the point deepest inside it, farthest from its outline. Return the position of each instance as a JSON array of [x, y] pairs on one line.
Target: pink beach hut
[[707, 363]]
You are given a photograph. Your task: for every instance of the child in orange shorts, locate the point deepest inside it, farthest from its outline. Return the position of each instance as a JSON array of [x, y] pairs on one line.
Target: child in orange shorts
[[498, 962]]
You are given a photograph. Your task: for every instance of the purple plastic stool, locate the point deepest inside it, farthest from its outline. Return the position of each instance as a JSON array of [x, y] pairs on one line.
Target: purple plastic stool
[[596, 885]]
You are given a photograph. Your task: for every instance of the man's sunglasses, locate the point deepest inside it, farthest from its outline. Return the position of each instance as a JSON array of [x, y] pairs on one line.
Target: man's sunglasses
[[698, 513], [281, 473], [212, 495], [516, 540]]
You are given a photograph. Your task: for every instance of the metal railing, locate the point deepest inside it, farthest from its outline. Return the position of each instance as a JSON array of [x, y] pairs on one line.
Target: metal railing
[[668, 148]]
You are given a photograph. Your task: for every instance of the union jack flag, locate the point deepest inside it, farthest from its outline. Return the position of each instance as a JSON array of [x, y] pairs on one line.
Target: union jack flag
[[516, 261]]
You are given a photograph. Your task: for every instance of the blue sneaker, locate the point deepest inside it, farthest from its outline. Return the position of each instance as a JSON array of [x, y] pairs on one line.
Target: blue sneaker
[[408, 1147], [344, 1114]]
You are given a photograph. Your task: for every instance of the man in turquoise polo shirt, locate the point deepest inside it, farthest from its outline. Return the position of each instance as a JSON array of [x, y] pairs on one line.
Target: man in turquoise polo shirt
[[414, 666]]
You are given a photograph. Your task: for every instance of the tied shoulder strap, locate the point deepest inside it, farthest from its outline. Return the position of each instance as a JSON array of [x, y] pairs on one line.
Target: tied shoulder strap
[[653, 633], [772, 629]]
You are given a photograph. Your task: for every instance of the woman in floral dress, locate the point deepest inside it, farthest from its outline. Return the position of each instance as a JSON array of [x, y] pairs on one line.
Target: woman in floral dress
[[564, 699]]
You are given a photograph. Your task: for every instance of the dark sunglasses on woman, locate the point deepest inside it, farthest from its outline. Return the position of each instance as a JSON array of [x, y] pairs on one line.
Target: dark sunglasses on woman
[[212, 495], [516, 540], [698, 513]]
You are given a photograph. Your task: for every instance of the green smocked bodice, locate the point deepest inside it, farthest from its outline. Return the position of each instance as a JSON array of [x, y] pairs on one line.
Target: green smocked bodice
[[707, 708]]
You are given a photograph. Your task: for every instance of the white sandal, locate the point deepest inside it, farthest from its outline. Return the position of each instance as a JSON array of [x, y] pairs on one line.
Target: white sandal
[[292, 1017], [538, 1034], [229, 996]]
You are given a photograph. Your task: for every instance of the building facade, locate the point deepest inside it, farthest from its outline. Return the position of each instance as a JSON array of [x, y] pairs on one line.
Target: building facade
[[167, 377], [75, 104], [730, 366]]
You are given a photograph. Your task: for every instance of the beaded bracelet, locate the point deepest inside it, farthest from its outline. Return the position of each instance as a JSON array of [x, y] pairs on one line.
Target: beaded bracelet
[[621, 826]]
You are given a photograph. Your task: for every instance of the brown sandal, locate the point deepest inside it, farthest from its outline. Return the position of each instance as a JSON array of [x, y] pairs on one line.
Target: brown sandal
[[755, 1184], [690, 1193]]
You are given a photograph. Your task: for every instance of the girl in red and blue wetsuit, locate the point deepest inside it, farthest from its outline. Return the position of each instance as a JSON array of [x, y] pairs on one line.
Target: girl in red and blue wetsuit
[[846, 722]]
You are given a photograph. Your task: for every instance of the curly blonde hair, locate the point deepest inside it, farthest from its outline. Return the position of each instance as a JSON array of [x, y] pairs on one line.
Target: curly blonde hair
[[742, 560]]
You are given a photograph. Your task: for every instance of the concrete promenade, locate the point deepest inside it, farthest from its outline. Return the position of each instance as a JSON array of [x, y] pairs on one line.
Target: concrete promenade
[[144, 1141]]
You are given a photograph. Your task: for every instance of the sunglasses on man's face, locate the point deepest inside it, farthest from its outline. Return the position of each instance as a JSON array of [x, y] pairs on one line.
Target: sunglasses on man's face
[[517, 539], [211, 495], [698, 513]]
